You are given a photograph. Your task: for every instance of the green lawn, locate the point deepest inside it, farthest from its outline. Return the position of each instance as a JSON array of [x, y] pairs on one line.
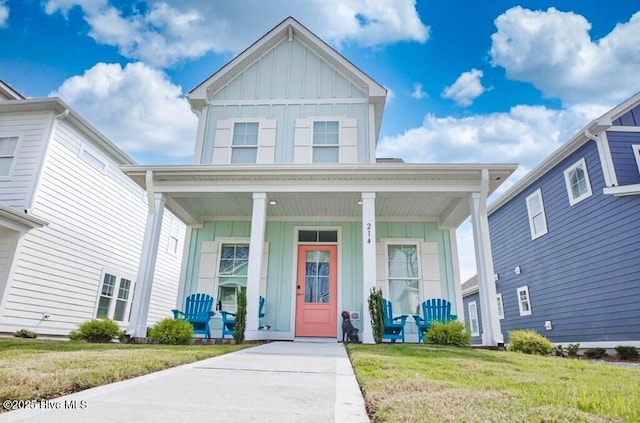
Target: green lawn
[[34, 369], [416, 383]]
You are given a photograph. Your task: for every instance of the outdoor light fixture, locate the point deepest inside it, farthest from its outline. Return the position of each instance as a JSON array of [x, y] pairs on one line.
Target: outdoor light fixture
[[273, 202], [360, 202]]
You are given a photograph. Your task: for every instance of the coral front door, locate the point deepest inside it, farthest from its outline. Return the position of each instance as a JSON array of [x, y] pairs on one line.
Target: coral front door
[[316, 285]]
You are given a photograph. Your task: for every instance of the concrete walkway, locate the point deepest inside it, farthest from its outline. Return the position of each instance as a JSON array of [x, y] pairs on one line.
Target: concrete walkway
[[275, 382]]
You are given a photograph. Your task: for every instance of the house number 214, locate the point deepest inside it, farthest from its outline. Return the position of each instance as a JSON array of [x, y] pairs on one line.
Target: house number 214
[[368, 233]]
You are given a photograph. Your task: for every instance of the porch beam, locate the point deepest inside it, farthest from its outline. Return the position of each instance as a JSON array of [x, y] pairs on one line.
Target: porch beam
[[256, 250], [368, 260], [144, 281]]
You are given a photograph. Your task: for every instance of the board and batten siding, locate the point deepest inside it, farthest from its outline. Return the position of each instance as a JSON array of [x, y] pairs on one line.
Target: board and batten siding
[[584, 274], [288, 84], [96, 225], [624, 160], [32, 130]]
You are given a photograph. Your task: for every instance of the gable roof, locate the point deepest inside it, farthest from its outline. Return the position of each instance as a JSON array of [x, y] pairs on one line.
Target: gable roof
[[588, 133], [8, 92], [288, 29]]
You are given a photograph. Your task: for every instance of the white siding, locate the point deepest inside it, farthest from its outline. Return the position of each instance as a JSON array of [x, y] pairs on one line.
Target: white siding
[[96, 222], [8, 241], [32, 129]]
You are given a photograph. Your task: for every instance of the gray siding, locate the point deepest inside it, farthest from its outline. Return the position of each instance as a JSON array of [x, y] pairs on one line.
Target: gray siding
[[624, 161], [584, 275]]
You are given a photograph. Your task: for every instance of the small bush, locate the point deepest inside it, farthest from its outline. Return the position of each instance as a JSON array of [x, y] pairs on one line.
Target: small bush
[[596, 352], [572, 350], [559, 351], [241, 317], [451, 333], [376, 313], [172, 332], [529, 341], [96, 330], [25, 333], [625, 352]]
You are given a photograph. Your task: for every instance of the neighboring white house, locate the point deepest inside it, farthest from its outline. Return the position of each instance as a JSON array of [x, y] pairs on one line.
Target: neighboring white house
[[286, 200], [71, 223]]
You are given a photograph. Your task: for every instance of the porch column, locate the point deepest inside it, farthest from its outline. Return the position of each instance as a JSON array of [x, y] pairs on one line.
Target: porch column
[[144, 281], [368, 260], [256, 250], [491, 333]]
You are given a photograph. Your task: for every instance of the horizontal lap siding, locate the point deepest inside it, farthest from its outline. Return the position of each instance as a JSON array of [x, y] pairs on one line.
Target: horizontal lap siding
[[32, 128], [96, 224], [475, 340], [584, 275], [624, 160]]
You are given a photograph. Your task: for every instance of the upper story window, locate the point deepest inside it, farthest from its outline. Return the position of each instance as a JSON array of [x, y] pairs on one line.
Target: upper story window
[[524, 303], [403, 275], [244, 144], [7, 153], [326, 142], [93, 160], [577, 181], [636, 152], [537, 218]]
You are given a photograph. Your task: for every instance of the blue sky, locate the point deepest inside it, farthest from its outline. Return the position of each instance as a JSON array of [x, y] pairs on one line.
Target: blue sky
[[469, 80]]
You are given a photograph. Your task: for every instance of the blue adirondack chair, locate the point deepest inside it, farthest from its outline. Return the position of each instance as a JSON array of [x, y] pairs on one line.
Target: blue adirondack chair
[[393, 326], [198, 311], [433, 310], [229, 319]]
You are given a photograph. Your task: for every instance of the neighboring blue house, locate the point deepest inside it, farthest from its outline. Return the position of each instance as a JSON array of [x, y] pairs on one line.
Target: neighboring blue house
[[566, 240]]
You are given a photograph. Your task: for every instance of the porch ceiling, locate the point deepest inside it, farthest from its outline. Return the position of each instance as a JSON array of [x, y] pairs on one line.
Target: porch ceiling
[[403, 192]]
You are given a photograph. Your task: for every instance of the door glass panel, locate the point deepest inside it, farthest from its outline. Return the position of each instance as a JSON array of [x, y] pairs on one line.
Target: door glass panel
[[317, 277]]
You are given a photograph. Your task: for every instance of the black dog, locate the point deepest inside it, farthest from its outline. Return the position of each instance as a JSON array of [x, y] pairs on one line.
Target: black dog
[[349, 333]]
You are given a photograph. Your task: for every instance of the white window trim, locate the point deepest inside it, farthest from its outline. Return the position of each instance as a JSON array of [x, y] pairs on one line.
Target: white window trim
[[500, 306], [567, 180], [636, 152], [522, 311], [174, 233], [535, 235], [14, 156], [260, 122], [472, 308], [315, 119], [402, 241], [216, 285], [114, 298]]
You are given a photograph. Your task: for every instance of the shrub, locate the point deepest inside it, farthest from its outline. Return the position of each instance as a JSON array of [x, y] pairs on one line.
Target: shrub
[[559, 351], [96, 330], [625, 352], [572, 350], [377, 314], [241, 317], [172, 332], [529, 341], [452, 332], [596, 352], [25, 333]]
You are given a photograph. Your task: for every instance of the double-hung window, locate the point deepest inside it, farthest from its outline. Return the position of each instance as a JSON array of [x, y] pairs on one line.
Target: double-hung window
[[636, 153], [326, 142], [524, 303], [7, 154], [537, 218], [474, 326], [577, 181], [244, 144], [232, 274], [115, 297], [403, 277]]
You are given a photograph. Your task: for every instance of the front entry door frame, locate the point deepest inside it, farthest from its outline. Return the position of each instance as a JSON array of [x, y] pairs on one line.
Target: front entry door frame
[[337, 265]]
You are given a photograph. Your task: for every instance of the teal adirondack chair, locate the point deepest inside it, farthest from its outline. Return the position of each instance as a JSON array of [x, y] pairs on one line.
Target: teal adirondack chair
[[229, 319], [393, 326], [433, 310], [198, 311]]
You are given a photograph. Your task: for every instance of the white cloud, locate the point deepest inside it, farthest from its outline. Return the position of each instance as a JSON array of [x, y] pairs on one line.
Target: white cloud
[[466, 88], [554, 51], [136, 107], [163, 33], [4, 13], [418, 91]]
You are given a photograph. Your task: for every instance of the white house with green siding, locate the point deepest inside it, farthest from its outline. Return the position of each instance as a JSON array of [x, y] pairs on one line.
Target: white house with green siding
[[286, 200]]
